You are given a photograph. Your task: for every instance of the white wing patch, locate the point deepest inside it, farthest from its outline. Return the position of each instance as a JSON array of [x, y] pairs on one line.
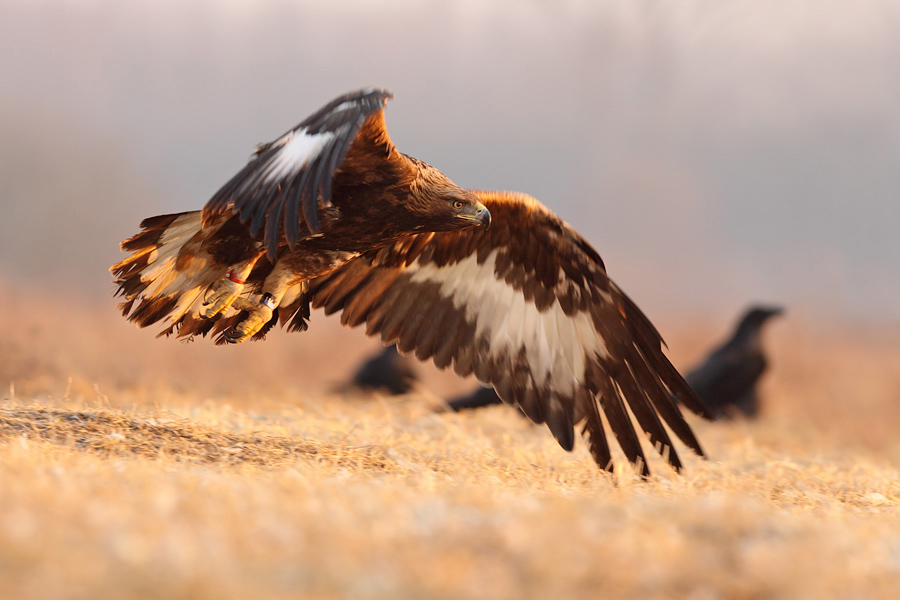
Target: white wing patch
[[297, 150], [557, 345]]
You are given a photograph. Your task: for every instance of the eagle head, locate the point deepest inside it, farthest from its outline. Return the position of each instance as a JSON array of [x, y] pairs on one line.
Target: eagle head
[[437, 204]]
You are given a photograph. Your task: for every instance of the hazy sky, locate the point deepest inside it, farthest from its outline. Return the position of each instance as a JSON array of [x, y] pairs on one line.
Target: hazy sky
[[714, 152]]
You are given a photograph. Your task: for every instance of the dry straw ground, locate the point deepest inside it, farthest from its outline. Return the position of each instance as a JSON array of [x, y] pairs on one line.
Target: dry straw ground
[[133, 468]]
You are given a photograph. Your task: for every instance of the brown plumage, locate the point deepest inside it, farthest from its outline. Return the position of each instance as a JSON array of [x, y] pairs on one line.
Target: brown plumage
[[526, 304]]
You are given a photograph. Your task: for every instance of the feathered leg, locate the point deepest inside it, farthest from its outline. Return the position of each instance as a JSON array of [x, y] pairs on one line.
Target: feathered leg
[[225, 293], [261, 308]]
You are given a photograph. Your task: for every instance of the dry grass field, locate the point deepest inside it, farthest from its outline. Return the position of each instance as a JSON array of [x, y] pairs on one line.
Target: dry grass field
[[132, 467]]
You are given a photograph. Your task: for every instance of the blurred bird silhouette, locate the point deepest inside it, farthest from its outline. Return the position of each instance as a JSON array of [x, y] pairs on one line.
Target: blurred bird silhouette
[[387, 371], [726, 379], [483, 396]]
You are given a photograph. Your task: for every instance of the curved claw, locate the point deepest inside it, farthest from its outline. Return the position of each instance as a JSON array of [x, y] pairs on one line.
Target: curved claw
[[225, 293], [260, 314]]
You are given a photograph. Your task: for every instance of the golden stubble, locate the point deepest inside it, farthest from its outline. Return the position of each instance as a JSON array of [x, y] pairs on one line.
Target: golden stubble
[[165, 470]]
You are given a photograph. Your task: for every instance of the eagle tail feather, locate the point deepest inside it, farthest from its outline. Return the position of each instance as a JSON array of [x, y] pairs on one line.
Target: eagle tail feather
[[167, 274]]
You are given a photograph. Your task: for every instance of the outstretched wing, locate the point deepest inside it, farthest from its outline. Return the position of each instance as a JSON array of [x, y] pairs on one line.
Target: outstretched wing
[[294, 173], [526, 306]]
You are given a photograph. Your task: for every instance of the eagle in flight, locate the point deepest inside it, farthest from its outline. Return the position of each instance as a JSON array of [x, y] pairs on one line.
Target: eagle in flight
[[331, 215]]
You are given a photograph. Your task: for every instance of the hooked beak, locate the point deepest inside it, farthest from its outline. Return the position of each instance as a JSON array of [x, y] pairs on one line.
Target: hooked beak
[[478, 213]]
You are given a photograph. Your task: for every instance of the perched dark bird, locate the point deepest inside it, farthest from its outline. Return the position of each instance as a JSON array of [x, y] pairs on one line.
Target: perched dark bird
[[332, 216], [726, 380], [386, 371]]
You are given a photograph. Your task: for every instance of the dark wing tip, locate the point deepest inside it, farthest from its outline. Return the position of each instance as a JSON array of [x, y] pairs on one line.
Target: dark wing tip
[[689, 398], [366, 101]]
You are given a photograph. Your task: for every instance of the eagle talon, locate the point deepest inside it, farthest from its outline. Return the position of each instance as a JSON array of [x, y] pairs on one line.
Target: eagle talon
[[260, 314], [225, 293]]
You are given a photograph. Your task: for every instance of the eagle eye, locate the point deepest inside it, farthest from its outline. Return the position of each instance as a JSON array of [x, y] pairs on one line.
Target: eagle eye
[[457, 204]]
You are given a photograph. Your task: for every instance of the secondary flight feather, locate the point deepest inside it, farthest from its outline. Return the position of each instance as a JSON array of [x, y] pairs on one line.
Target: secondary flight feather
[[330, 215]]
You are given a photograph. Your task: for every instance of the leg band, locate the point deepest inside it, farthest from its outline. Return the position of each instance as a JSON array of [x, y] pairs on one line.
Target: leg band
[[268, 300], [230, 276]]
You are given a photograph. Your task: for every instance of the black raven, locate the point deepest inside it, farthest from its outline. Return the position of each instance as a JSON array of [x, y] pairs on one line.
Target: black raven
[[726, 380]]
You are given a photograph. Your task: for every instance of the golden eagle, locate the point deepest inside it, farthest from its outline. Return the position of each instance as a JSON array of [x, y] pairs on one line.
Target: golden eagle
[[330, 215]]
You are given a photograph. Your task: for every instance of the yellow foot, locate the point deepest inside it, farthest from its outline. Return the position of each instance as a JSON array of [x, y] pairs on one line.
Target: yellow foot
[[260, 314], [225, 293]]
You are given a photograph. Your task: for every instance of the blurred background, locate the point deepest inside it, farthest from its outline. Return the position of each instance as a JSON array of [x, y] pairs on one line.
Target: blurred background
[[713, 152], [716, 153]]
